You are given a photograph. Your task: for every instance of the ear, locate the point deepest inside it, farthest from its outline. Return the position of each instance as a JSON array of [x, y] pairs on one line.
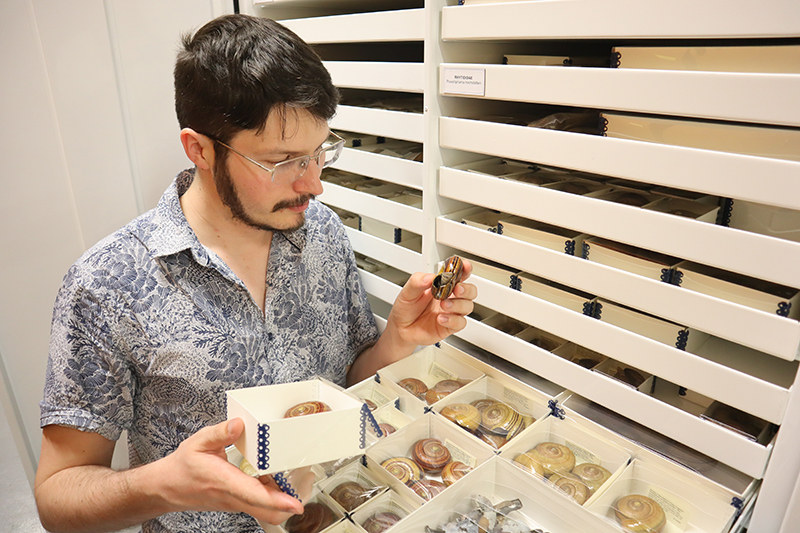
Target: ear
[[198, 148]]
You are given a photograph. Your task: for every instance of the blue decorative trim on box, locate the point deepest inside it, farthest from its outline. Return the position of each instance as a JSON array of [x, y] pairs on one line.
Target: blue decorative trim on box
[[724, 213], [666, 275], [461, 2], [426, 409], [682, 391], [499, 228], [285, 486], [366, 414], [515, 282], [464, 222], [615, 57], [263, 446], [569, 247], [588, 308], [603, 126], [555, 410], [398, 235], [437, 344], [377, 377], [381, 140], [738, 503], [397, 403], [677, 278], [359, 223], [364, 460], [784, 308], [585, 250], [683, 338], [356, 143]]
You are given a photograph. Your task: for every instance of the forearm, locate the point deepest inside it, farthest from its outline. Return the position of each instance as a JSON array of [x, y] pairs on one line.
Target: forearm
[[385, 351], [94, 498]]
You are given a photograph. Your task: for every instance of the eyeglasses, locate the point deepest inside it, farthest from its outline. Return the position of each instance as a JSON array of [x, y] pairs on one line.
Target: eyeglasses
[[291, 170]]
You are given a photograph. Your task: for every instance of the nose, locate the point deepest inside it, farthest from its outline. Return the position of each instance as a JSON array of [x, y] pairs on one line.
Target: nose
[[309, 182]]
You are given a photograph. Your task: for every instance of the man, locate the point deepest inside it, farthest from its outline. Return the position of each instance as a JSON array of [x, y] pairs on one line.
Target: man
[[238, 278]]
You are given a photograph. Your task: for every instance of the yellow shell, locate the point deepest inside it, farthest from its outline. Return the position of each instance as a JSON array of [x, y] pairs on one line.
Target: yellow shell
[[554, 458], [593, 475], [501, 419], [463, 414], [530, 464], [403, 468], [571, 485], [640, 514]]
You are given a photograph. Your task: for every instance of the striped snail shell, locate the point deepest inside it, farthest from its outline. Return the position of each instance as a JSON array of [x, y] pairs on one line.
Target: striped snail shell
[[593, 475], [527, 462], [386, 429], [430, 454], [415, 386], [350, 494], [315, 518], [380, 522], [571, 485], [639, 513], [554, 458], [463, 414], [428, 488], [307, 408], [495, 441], [370, 404], [441, 389], [403, 468], [482, 404], [445, 281], [501, 419], [453, 471]]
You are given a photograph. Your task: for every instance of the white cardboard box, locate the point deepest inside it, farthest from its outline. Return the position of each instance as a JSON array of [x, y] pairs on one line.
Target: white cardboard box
[[272, 443], [571, 299], [652, 265], [544, 235]]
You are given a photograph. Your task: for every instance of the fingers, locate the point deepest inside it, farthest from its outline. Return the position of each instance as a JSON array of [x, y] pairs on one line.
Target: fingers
[[219, 436]]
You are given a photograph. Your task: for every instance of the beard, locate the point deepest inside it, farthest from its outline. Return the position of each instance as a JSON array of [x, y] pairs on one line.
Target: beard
[[230, 198]]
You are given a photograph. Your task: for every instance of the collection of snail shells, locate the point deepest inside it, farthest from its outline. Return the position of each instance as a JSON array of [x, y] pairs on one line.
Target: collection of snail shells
[[380, 522], [386, 429], [572, 486], [527, 462], [307, 408], [350, 494], [502, 419], [453, 471], [441, 389], [315, 518], [403, 468], [463, 414], [427, 488], [415, 386], [430, 454], [493, 440], [639, 513], [593, 475], [554, 458]]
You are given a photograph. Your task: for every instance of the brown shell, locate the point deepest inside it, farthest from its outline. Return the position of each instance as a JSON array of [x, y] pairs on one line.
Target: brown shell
[[572, 486], [403, 468], [380, 522], [370, 404], [307, 408], [386, 429], [554, 458], [315, 518], [415, 386], [482, 404], [528, 463], [639, 513], [593, 475], [453, 471], [495, 441], [441, 389], [350, 494], [430, 454], [428, 488], [502, 419], [463, 414], [447, 278]]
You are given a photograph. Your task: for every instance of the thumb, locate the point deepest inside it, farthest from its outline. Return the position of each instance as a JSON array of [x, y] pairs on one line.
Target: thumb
[[416, 286], [222, 435]]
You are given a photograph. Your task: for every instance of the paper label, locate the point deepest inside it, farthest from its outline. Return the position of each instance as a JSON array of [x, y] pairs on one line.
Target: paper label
[[439, 372], [378, 397], [582, 455], [521, 403], [677, 511], [470, 81], [458, 454]]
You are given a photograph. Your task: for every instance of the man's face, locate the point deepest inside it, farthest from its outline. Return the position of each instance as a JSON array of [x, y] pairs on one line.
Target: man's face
[[248, 191]]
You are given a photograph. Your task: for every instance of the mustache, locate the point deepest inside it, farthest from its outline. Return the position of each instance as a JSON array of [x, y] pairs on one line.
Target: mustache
[[293, 203]]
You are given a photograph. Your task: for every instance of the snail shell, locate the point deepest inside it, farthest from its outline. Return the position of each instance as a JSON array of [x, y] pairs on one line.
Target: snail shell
[[370, 404], [453, 471], [482, 404], [502, 419], [307, 408], [527, 462], [554, 458], [463, 414], [428, 488], [591, 474], [387, 429], [415, 386], [495, 441], [639, 513], [441, 389], [430, 454], [403, 468], [571, 485], [350, 495], [247, 468], [380, 522], [447, 278], [315, 518]]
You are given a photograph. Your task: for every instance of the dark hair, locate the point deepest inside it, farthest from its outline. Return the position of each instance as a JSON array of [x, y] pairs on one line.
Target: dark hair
[[234, 71]]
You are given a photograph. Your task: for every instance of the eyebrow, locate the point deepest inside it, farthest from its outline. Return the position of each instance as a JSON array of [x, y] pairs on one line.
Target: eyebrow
[[292, 155]]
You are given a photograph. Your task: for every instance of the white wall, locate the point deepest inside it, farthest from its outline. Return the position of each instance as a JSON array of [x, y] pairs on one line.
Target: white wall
[[88, 141]]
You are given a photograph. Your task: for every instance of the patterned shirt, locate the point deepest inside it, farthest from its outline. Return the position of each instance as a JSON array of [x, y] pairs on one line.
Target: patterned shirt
[[150, 328]]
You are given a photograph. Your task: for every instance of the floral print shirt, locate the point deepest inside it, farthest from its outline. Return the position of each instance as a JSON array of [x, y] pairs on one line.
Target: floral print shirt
[[150, 328]]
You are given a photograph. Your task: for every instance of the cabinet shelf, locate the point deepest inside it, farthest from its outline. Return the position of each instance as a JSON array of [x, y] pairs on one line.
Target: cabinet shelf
[[391, 254], [396, 214], [378, 75], [385, 168], [688, 94], [379, 287], [628, 19], [383, 122], [706, 437], [382, 26], [776, 335]]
